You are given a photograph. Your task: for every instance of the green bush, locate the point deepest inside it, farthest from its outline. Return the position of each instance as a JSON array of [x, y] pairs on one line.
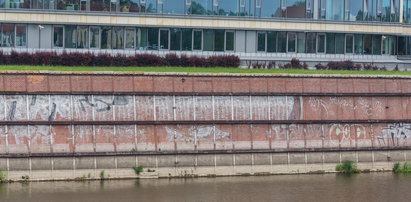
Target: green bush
[[138, 169], [347, 167], [404, 168], [3, 176], [102, 174]]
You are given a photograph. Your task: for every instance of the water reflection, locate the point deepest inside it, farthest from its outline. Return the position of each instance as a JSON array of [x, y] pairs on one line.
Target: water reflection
[[364, 187]]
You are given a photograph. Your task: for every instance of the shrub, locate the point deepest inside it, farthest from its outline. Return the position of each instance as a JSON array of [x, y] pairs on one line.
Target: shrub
[[295, 63], [347, 167], [271, 65], [102, 174], [138, 169], [172, 59], [405, 168], [320, 66], [3, 176]]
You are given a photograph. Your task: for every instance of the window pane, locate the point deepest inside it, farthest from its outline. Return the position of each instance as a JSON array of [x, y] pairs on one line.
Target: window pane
[[106, 37], [229, 41], [130, 38], [330, 41], [187, 38], [172, 7], [68, 5], [368, 44], [349, 40], [228, 8], [376, 44], [208, 40], [142, 39], [339, 43], [355, 10], [296, 8], [271, 9], [384, 10], [311, 41], [282, 42], [309, 9], [261, 41], [58, 36], [70, 36], [94, 37], [117, 38], [149, 7], [271, 42], [335, 10], [300, 42], [219, 40], [7, 34], [201, 7], [197, 40], [164, 39], [358, 44], [82, 37], [321, 43], [370, 10], [129, 6], [175, 39], [291, 41], [21, 35], [152, 38]]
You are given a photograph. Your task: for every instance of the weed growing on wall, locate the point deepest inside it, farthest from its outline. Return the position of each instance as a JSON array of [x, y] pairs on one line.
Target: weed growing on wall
[[347, 167], [102, 174], [138, 169], [402, 168], [3, 176]]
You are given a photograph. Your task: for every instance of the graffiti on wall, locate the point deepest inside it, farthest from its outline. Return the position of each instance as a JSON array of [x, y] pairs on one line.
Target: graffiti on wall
[[394, 134]]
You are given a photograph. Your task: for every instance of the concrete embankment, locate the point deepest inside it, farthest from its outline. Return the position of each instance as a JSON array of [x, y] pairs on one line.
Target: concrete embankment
[[70, 125]]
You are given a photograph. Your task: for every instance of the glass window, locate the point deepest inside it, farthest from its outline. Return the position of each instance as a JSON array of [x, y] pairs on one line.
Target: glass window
[[228, 8], [261, 38], [402, 45], [187, 36], [229, 41], [94, 37], [311, 41], [201, 7], [175, 39], [367, 44], [355, 11], [142, 38], [296, 8], [370, 7], [358, 44], [149, 6], [384, 10], [407, 11], [208, 40], [129, 6], [82, 37], [219, 40], [117, 39], [272, 8], [334, 10], [172, 7], [164, 39], [106, 37], [152, 38], [309, 9], [291, 38], [321, 9], [339, 43], [68, 5], [282, 42], [376, 44], [300, 42], [271, 42], [197, 38], [70, 36], [130, 38], [349, 43], [21, 35], [330, 43], [7, 35], [321, 43], [58, 37]]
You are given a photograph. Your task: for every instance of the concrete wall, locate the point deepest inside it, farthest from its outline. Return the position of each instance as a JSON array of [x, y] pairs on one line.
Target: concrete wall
[[237, 118]]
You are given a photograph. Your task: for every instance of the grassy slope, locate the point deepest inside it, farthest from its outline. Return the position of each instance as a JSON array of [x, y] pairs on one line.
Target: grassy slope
[[197, 70]]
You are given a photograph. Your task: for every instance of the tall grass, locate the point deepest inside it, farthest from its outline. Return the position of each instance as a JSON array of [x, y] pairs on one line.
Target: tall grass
[[405, 167], [347, 167]]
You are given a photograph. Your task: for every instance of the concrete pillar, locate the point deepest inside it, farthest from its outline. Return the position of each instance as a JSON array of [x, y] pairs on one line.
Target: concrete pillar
[[401, 10]]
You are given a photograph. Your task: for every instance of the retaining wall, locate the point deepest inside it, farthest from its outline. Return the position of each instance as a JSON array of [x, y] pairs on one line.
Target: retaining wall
[[46, 116]]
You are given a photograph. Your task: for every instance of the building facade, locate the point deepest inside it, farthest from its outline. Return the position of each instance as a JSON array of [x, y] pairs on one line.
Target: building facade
[[368, 31]]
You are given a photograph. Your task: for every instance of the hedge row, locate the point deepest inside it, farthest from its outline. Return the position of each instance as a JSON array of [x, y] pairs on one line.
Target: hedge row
[[90, 59], [349, 65]]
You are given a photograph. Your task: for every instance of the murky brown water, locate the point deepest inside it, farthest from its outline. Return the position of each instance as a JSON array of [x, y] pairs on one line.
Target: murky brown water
[[364, 187]]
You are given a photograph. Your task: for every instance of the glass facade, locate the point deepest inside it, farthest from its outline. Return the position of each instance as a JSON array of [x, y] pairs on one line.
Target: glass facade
[[336, 10]]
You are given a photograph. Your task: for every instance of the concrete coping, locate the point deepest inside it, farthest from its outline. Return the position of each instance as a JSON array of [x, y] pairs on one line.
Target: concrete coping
[[188, 74]]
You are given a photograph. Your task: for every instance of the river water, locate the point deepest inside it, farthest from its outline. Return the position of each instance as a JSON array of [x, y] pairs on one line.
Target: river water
[[330, 187]]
